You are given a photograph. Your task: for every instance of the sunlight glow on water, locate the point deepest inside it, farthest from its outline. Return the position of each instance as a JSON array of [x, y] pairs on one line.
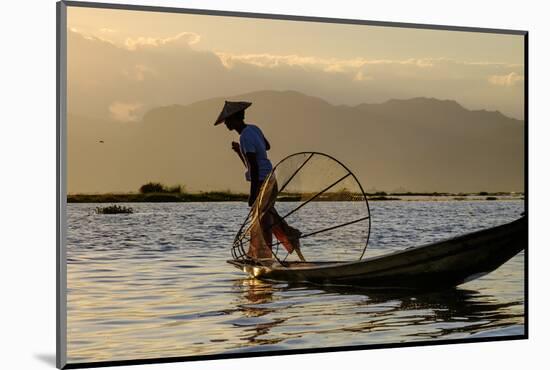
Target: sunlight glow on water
[[155, 284]]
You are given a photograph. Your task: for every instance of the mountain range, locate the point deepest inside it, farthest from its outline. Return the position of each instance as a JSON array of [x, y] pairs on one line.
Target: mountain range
[[419, 144]]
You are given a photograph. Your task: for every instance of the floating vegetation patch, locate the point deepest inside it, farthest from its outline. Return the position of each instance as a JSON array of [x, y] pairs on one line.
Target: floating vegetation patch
[[114, 209]]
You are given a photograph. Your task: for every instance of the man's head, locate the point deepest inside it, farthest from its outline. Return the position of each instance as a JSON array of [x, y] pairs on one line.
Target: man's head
[[233, 115], [235, 121]]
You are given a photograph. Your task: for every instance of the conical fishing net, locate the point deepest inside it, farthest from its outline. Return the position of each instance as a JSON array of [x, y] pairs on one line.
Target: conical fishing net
[[310, 208]]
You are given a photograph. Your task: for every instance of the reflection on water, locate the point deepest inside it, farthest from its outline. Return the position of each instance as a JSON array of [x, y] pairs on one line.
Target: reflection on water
[[449, 314], [256, 299], [155, 284]]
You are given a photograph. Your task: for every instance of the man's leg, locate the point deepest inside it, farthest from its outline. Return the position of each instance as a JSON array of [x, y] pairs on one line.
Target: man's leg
[[286, 234], [266, 224]]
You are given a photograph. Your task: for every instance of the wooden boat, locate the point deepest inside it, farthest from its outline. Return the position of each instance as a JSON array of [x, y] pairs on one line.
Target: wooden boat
[[446, 263]]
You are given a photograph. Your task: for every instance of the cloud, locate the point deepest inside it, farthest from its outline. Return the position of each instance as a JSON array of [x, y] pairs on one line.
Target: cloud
[[160, 71], [188, 38], [125, 112], [326, 64], [508, 80], [339, 65], [138, 72], [360, 76], [107, 30], [436, 68], [90, 37], [494, 64], [267, 60]]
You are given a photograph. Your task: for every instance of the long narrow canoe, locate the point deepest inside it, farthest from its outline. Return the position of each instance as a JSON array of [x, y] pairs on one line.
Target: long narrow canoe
[[445, 263]]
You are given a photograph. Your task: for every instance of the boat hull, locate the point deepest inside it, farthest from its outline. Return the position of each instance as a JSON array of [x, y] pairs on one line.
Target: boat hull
[[442, 264]]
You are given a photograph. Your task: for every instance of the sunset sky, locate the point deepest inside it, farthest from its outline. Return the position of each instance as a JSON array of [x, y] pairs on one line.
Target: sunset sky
[[123, 64], [163, 58]]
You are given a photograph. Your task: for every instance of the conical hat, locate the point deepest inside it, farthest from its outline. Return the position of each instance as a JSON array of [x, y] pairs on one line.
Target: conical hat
[[230, 108]]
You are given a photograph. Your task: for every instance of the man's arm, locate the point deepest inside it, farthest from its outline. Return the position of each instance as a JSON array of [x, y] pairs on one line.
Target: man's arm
[[254, 171], [237, 149]]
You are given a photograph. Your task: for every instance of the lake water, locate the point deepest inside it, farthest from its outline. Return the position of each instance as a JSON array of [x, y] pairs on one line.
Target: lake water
[[155, 284]]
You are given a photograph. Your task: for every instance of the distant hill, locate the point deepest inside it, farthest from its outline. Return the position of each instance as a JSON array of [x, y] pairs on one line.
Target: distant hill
[[419, 144]]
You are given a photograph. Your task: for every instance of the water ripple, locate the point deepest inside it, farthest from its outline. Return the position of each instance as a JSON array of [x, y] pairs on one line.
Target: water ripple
[[155, 284]]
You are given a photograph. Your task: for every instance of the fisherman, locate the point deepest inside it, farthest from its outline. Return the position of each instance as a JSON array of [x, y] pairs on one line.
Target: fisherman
[[252, 150]]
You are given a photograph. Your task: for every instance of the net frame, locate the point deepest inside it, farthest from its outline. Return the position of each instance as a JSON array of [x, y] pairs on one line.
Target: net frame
[[256, 212]]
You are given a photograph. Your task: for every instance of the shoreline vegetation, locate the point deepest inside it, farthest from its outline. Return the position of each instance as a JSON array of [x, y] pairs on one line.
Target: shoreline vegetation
[[159, 193]]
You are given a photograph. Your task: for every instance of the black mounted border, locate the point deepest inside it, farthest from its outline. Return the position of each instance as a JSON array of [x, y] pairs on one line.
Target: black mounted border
[[61, 190], [163, 360], [61, 195]]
